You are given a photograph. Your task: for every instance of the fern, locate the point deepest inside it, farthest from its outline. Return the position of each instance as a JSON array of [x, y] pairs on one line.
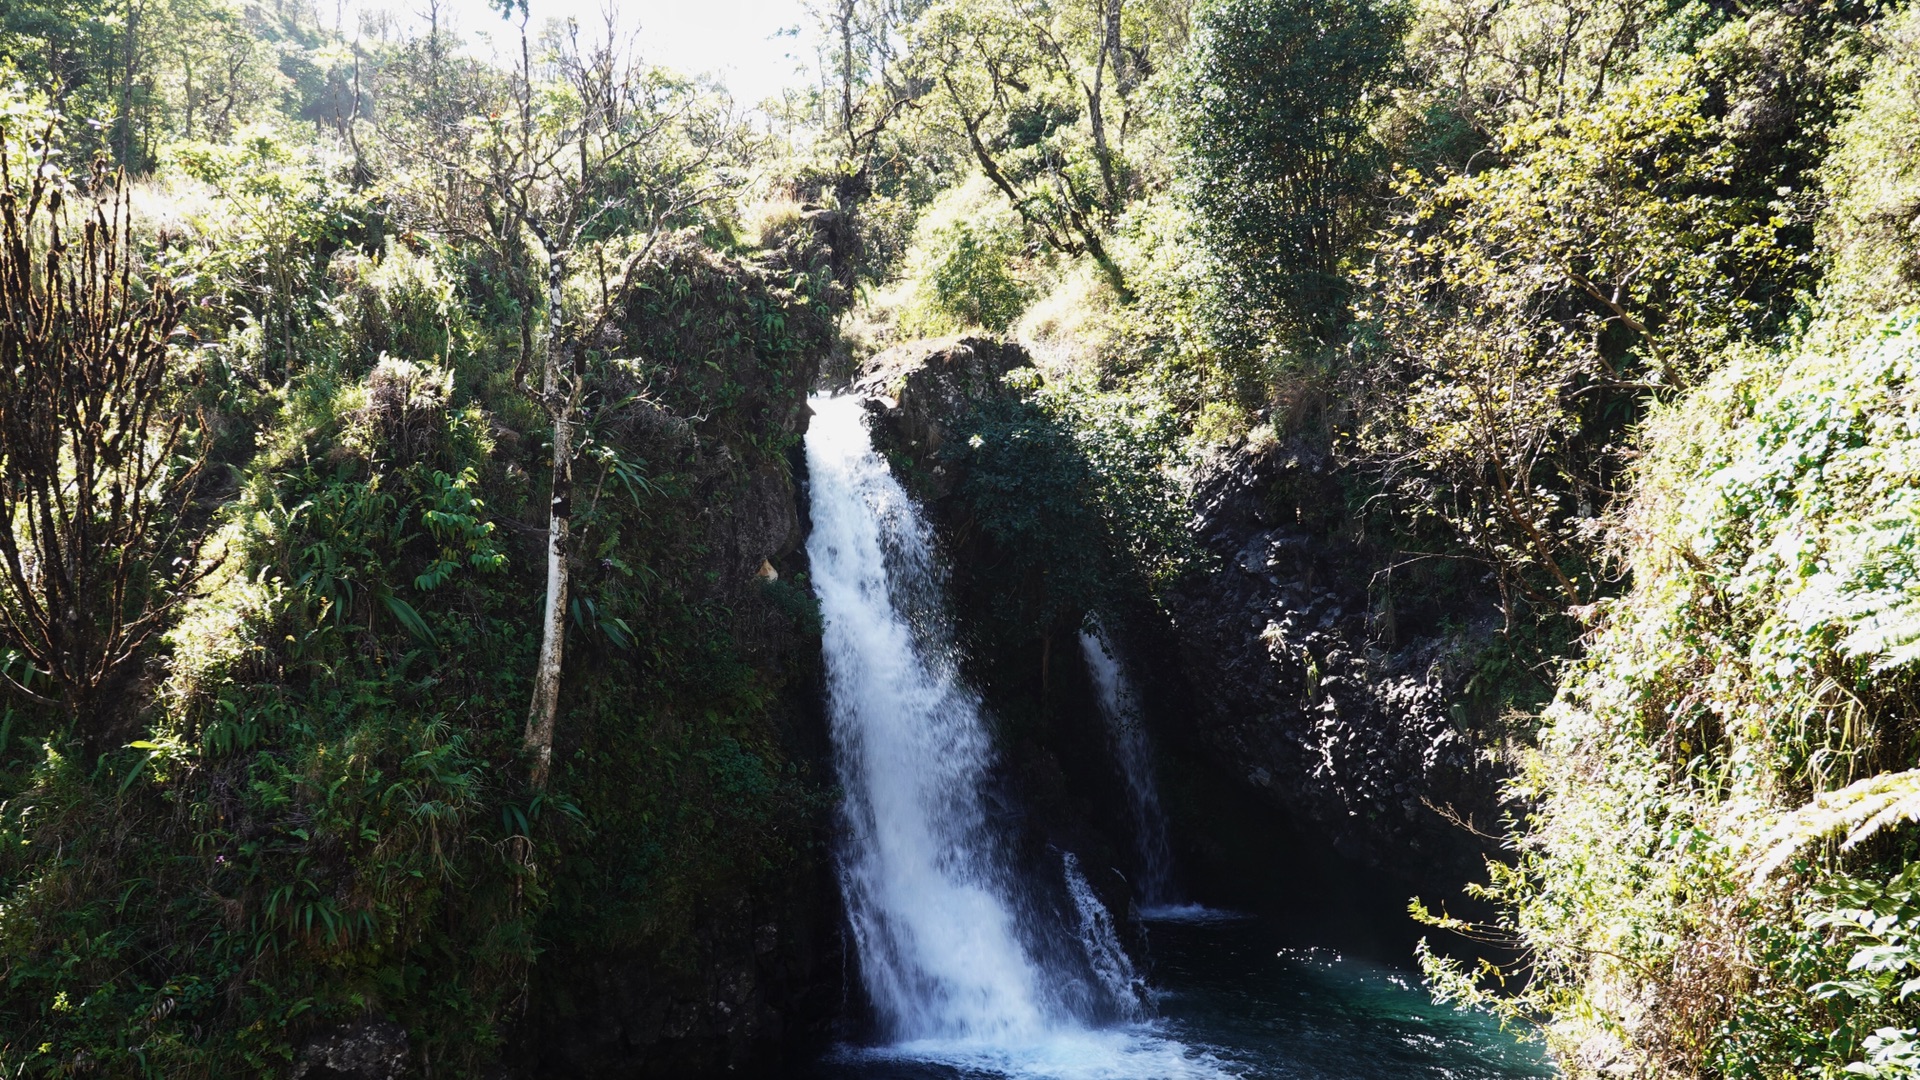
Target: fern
[[1860, 809]]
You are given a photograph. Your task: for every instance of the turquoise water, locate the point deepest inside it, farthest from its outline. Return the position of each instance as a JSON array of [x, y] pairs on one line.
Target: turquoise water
[[1234, 1001]]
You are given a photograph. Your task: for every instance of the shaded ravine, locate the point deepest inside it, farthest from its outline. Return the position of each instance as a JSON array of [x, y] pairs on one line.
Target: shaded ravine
[[967, 969]]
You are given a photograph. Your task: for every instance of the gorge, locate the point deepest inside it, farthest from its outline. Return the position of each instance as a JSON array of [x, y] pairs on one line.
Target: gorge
[[1108, 539]]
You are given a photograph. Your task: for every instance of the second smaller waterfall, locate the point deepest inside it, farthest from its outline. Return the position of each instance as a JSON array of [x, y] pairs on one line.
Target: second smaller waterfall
[[1100, 940], [1126, 727]]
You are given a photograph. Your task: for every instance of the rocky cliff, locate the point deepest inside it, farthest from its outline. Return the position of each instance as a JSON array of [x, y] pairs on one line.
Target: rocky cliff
[[1051, 796], [1275, 669], [1296, 691]]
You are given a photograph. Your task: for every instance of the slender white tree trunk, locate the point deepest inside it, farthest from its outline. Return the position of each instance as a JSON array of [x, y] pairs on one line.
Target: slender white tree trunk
[[546, 679]]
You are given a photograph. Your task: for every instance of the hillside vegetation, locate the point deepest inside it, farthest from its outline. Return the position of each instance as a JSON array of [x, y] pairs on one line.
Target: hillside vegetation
[[1604, 312]]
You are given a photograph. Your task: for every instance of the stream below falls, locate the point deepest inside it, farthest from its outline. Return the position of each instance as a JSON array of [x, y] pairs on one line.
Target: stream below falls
[[1239, 1003], [973, 965]]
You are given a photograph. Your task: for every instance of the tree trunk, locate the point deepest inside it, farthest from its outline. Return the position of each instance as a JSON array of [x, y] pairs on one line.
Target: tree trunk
[[546, 679], [1096, 108], [845, 17], [123, 126]]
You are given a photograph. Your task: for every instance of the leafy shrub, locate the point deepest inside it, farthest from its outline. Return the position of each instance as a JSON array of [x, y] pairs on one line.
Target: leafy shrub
[[963, 267], [1766, 655], [399, 304], [1276, 111], [1519, 317], [1872, 226], [1071, 487], [406, 406]]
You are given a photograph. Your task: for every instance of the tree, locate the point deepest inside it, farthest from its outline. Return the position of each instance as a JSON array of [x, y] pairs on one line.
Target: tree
[[1527, 312], [1043, 98], [1486, 63], [92, 481], [139, 71], [600, 160], [1276, 107], [863, 53]]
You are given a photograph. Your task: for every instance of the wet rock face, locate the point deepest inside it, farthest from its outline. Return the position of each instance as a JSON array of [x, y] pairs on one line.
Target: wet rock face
[[1295, 694], [749, 997], [753, 977], [1285, 681], [921, 397], [370, 1050], [923, 391]]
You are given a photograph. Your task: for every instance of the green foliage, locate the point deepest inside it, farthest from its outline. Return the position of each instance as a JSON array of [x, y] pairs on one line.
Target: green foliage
[[967, 280], [710, 337], [1870, 225], [465, 540], [309, 830], [1569, 232], [1166, 343], [1276, 108], [1024, 484], [1851, 944], [134, 80], [400, 304], [316, 812], [1860, 810], [1761, 660], [965, 267], [251, 227], [1041, 98], [1068, 484], [1519, 317], [1879, 924]]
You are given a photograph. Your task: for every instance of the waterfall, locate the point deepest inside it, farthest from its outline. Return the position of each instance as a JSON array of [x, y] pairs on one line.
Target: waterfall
[[1126, 727], [1112, 967], [950, 946], [929, 903]]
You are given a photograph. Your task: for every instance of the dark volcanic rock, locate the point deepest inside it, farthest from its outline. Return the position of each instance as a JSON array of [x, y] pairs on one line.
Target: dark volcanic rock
[[1274, 671], [751, 994], [921, 391], [751, 976], [1287, 685], [369, 1050], [1044, 791], [1295, 696]]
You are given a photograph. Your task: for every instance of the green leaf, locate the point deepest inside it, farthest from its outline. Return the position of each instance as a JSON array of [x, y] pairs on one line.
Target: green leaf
[[409, 618], [134, 773]]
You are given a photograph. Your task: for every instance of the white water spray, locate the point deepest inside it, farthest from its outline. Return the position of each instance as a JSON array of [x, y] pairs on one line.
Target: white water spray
[[1126, 727], [929, 904], [946, 950], [1112, 967]]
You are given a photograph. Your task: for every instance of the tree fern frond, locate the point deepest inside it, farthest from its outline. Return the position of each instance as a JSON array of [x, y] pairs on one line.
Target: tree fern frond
[[1861, 809]]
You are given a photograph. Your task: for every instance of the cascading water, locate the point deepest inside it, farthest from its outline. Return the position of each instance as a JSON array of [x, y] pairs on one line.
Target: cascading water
[[1126, 727], [948, 951], [1112, 967], [929, 904]]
